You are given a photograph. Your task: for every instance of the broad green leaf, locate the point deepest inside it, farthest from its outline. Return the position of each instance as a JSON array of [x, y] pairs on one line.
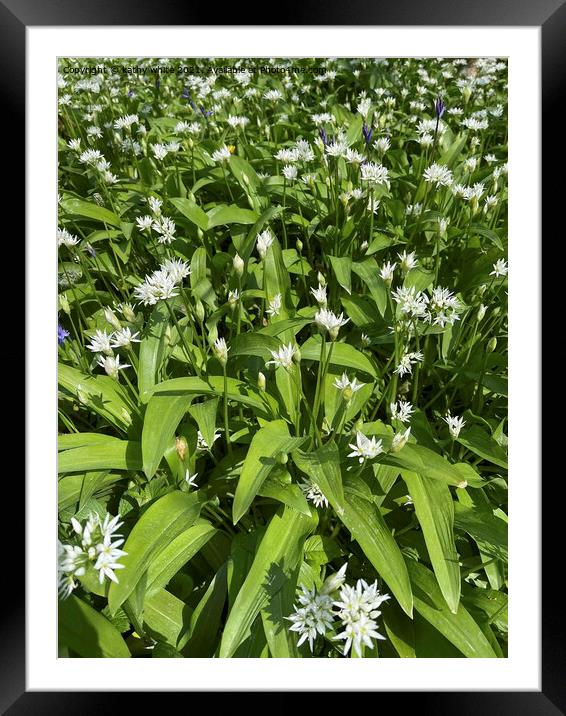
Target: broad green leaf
[[224, 214], [151, 350], [460, 628], [205, 417], [368, 271], [162, 416], [435, 511], [176, 554], [482, 444], [100, 393], [75, 440], [70, 487], [87, 632], [267, 444], [111, 455], [163, 520], [78, 207], [192, 212], [206, 618], [239, 392], [342, 267], [489, 531], [279, 552], [280, 487], [254, 344], [343, 355], [167, 619], [276, 280], [425, 462]]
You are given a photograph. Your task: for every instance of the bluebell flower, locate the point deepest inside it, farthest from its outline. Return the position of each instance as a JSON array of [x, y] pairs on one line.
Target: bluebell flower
[[439, 107], [204, 112], [322, 134], [367, 133], [62, 334]]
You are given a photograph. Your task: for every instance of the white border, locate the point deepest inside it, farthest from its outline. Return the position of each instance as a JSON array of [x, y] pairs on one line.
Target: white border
[[521, 671]]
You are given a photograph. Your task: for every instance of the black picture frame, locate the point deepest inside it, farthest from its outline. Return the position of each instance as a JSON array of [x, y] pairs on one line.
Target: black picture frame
[[550, 15]]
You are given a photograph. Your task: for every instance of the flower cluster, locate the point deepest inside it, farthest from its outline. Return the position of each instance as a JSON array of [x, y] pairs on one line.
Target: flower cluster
[[353, 609], [95, 545]]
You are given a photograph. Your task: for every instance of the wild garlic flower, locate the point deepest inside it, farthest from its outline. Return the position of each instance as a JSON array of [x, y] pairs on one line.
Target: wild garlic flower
[[112, 365], [177, 269], [382, 145], [158, 286], [144, 222], [331, 322], [442, 307], [126, 121], [272, 95], [95, 546], [191, 479], [264, 241], [401, 411], [400, 440], [413, 303], [406, 363], [124, 337], [289, 172], [358, 608], [155, 205], [320, 295], [100, 343], [455, 424], [313, 493], [365, 448], [438, 174], [274, 306], [375, 174], [407, 261], [221, 350], [500, 268], [386, 272], [284, 356], [312, 616], [64, 238], [221, 155], [337, 147], [201, 442], [347, 386], [160, 151], [166, 229]]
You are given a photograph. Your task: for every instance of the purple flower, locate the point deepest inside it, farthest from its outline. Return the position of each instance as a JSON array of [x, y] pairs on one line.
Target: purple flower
[[62, 334], [367, 133], [322, 134], [439, 107], [204, 112]]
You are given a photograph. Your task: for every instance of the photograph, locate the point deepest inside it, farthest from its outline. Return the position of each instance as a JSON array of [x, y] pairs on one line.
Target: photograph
[[282, 327]]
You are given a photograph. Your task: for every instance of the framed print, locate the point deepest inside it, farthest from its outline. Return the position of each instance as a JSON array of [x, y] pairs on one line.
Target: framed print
[[292, 408]]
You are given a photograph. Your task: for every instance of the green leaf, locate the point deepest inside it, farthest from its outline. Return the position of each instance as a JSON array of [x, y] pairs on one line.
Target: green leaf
[[280, 488], [482, 444], [110, 455], [162, 416], [369, 273], [164, 519], [254, 344], [239, 392], [100, 393], [277, 556], [266, 445], [167, 619], [87, 632], [425, 462], [342, 267], [151, 350], [78, 207], [435, 511], [205, 416], [224, 214], [343, 355], [460, 629], [175, 555], [206, 618], [489, 531], [192, 212], [276, 280]]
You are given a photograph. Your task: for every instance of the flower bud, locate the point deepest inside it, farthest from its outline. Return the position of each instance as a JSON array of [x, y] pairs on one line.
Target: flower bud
[[261, 381], [299, 245], [297, 356], [335, 581], [492, 345], [199, 311], [64, 303], [182, 447], [347, 393], [282, 458], [112, 318], [400, 440], [333, 333], [128, 313], [238, 264], [481, 312]]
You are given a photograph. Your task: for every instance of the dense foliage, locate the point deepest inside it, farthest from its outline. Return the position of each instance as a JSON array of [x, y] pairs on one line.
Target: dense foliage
[[283, 358]]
